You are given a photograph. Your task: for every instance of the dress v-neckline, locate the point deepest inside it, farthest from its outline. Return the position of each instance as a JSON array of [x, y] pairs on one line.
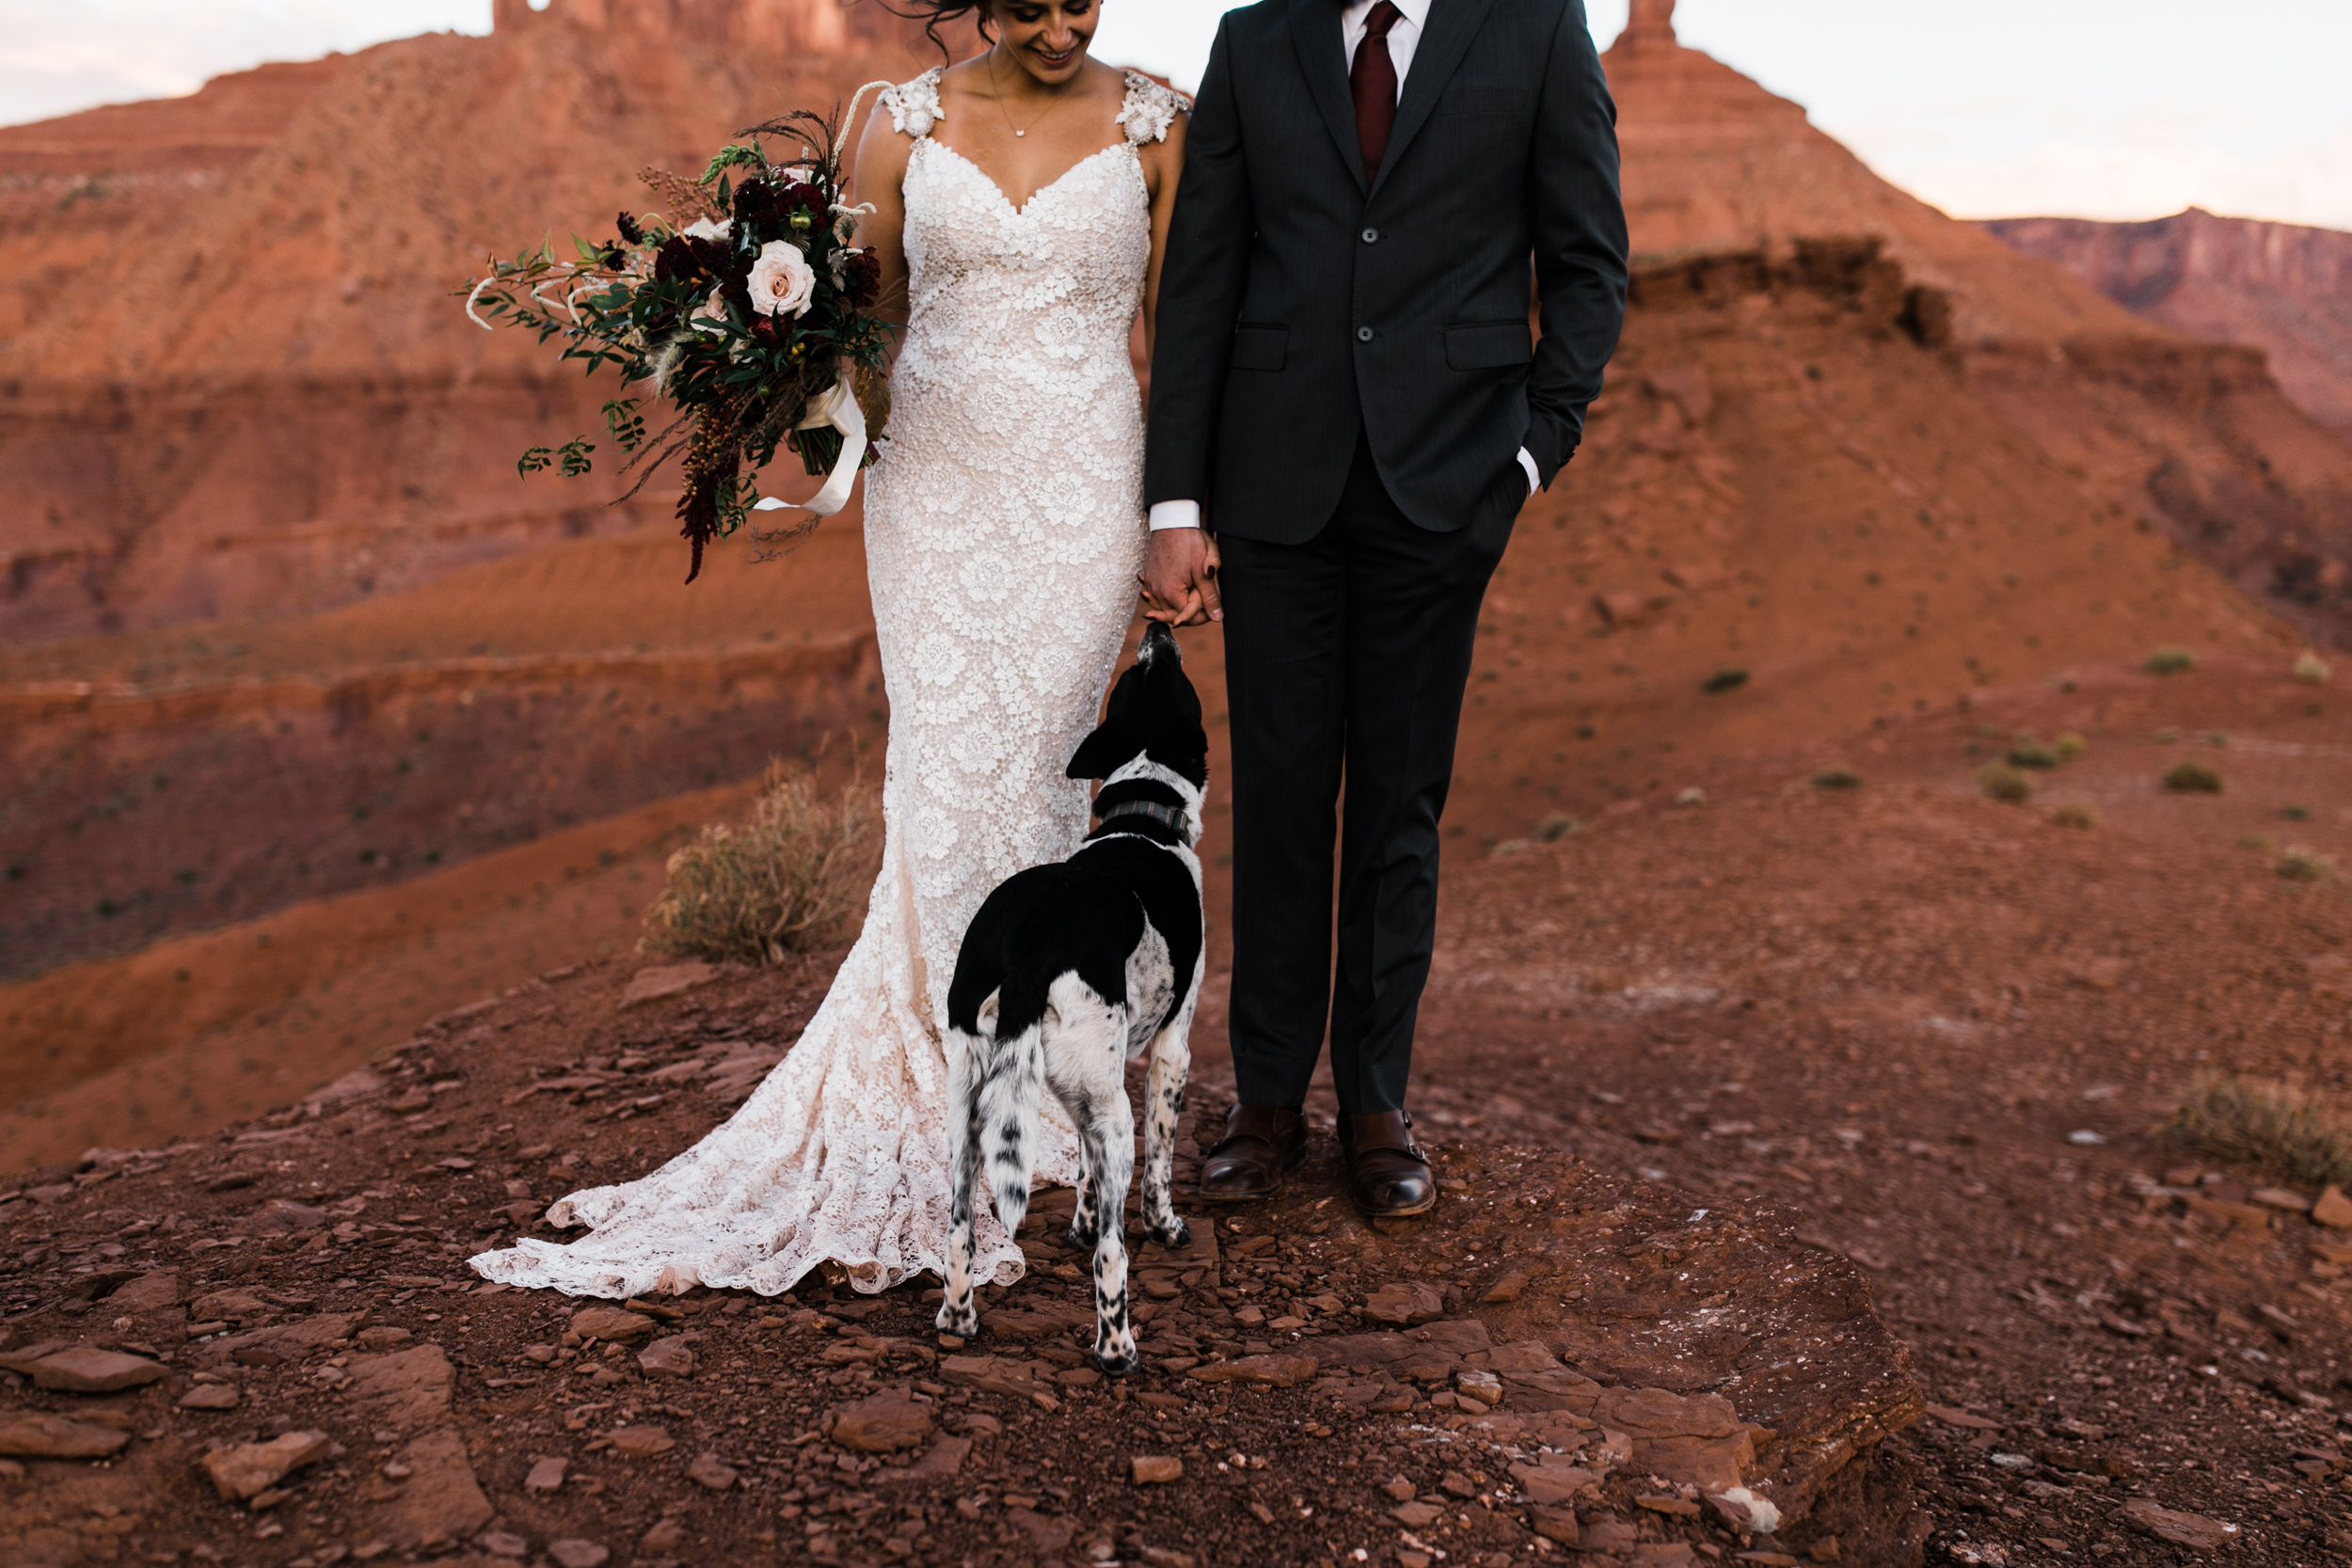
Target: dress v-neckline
[[1022, 209]]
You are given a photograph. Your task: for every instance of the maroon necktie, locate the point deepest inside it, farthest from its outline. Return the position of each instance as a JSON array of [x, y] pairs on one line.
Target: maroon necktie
[[1372, 82]]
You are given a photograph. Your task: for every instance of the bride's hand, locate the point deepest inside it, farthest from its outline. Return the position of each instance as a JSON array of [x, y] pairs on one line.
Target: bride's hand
[[1179, 578]]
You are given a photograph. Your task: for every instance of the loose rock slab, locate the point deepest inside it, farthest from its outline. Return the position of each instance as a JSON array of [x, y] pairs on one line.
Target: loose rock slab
[[2193, 1531], [613, 1323], [33, 1434], [246, 1470], [85, 1370], [440, 1499], [642, 1442], [651, 984], [670, 1357], [1272, 1371], [889, 1420]]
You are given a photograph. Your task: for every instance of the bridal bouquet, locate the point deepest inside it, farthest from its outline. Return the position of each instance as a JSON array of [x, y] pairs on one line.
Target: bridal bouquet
[[743, 308]]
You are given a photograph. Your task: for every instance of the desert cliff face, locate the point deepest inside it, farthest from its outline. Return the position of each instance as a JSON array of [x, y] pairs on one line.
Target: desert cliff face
[[234, 382], [2191, 435], [2280, 287]]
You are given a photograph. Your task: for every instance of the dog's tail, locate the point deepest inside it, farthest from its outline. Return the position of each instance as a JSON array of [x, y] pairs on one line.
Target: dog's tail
[[1013, 1085]]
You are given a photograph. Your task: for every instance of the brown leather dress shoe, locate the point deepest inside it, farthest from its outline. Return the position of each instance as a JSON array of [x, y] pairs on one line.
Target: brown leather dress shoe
[[1387, 1175], [1262, 1142]]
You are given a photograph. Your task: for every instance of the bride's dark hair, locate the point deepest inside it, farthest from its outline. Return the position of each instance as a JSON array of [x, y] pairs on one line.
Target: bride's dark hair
[[933, 13]]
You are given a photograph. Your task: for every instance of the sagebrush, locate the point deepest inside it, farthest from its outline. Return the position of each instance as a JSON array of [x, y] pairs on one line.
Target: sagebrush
[[781, 884], [1998, 781], [2269, 1124]]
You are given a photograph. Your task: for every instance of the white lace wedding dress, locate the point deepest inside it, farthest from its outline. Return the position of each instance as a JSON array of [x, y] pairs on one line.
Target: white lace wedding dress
[[1004, 528]]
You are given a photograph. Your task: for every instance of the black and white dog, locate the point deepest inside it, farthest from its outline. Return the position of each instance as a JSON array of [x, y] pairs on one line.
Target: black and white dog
[[1069, 971]]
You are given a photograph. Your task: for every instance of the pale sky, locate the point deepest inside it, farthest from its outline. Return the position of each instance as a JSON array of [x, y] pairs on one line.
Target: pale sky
[[2092, 108]]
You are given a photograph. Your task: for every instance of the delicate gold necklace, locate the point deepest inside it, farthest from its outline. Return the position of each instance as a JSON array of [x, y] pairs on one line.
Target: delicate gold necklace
[[1016, 130]]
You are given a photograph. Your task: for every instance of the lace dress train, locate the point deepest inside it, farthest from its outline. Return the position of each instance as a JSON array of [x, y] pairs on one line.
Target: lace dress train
[[1004, 528]]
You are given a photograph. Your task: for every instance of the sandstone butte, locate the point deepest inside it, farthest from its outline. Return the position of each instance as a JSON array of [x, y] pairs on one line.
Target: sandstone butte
[[1871, 457]]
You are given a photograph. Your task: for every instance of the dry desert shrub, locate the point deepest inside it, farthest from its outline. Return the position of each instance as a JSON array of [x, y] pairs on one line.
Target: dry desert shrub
[[2303, 863], [2070, 746], [1552, 829], [1837, 778], [780, 883], [2000, 782], [2311, 669], [2192, 778], [2268, 1124], [2076, 814], [2170, 662]]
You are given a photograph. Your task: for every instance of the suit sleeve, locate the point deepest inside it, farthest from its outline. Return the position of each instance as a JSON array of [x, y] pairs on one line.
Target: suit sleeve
[[1209, 236], [1579, 242]]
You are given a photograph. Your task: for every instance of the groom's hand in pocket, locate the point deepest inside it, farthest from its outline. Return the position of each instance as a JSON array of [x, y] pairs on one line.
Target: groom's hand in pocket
[[1179, 578]]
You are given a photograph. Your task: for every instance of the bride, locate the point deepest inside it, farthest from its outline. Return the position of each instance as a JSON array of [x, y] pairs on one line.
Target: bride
[[1022, 197]]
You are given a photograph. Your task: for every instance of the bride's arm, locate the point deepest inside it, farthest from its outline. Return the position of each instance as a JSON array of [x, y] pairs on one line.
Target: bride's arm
[[879, 176], [1163, 167]]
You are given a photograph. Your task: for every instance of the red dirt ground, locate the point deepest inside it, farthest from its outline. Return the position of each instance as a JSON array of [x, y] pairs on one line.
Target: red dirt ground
[[1933, 1030]]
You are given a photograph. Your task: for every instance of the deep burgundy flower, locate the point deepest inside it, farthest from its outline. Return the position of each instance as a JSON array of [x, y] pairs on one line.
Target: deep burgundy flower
[[756, 207], [630, 234], [861, 275], [679, 260], [717, 259]]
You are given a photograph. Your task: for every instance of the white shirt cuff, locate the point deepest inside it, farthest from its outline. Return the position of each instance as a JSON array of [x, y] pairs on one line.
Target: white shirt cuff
[[1535, 479], [1175, 515]]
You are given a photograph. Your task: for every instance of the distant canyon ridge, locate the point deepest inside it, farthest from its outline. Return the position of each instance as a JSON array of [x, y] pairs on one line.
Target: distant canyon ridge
[[2280, 287]]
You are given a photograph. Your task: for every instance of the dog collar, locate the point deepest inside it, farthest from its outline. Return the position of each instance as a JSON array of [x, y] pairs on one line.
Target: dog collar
[[1167, 816]]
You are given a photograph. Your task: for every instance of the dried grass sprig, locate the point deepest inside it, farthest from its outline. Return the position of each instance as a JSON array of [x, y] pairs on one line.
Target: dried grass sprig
[[2268, 1124]]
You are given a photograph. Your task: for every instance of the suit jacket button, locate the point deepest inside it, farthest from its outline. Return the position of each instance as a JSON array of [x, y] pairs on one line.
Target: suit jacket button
[[1372, 236], [1363, 334]]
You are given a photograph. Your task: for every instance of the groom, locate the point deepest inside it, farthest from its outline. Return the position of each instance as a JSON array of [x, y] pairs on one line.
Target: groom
[[1346, 395]]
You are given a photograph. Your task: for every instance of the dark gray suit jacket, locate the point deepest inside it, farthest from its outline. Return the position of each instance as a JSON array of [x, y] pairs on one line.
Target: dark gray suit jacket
[[1297, 306]]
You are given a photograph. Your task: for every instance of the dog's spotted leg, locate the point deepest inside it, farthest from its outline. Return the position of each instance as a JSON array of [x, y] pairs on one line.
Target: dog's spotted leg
[[1009, 1098], [958, 1314], [1108, 1135], [1080, 1237], [1163, 1091]]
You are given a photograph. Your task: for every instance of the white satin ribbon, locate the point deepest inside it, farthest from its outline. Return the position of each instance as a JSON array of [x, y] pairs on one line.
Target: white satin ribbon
[[835, 407]]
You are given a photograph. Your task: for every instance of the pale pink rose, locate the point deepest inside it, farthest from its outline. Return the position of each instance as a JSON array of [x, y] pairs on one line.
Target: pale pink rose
[[782, 282]]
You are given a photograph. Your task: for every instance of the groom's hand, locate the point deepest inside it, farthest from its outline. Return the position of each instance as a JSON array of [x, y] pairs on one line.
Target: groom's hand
[[1179, 578]]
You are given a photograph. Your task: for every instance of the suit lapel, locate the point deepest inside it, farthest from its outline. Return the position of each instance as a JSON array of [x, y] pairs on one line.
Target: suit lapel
[[1453, 23], [1314, 28]]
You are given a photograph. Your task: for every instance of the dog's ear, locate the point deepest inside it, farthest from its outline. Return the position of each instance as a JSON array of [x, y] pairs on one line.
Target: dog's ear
[[1099, 755]]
